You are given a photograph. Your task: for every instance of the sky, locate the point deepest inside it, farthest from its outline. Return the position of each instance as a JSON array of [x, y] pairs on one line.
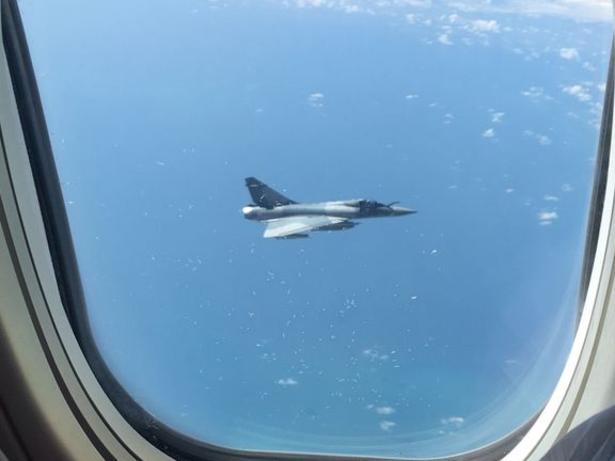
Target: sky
[[423, 335]]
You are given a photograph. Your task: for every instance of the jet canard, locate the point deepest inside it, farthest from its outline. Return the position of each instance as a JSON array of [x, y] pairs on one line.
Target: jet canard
[[285, 218]]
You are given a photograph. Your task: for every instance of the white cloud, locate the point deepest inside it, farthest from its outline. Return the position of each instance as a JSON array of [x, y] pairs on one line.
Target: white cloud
[[547, 217], [365, 6], [595, 111], [567, 188], [535, 93], [577, 10], [411, 96], [284, 382], [496, 117], [542, 139], [551, 198], [445, 39], [490, 133], [374, 355], [415, 3], [578, 91], [569, 53], [387, 425], [454, 421], [467, 7], [311, 3], [385, 410], [589, 66], [484, 25], [316, 100]]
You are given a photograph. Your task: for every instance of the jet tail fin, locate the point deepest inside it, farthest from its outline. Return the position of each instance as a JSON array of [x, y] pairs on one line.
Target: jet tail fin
[[264, 196]]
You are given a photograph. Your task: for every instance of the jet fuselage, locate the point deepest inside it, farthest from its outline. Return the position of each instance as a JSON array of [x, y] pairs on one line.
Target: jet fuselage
[[349, 209]]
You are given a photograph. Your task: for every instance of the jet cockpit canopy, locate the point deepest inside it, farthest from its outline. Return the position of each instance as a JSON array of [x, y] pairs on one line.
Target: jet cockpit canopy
[[369, 204]]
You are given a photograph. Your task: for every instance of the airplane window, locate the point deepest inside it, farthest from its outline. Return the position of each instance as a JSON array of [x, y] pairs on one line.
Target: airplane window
[[328, 226]]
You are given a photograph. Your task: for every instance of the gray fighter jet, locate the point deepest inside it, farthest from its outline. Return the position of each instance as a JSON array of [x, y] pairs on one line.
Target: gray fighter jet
[[287, 219]]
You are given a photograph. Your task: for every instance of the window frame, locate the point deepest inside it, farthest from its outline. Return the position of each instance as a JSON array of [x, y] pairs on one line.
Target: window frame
[[36, 230]]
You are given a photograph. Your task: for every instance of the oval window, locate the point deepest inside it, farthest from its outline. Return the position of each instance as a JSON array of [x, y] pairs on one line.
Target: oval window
[[241, 180]]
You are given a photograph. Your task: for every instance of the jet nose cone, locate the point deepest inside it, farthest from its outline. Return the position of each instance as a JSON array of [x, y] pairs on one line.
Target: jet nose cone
[[401, 211]]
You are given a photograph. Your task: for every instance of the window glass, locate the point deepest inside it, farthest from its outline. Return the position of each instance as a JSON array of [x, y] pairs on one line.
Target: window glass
[[411, 334]]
